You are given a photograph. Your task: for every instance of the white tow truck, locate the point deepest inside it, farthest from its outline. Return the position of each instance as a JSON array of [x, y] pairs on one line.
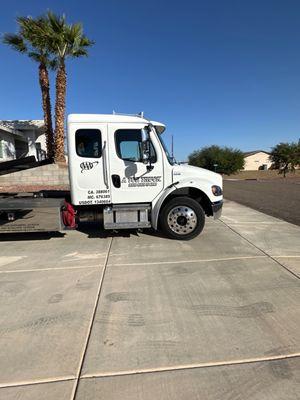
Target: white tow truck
[[121, 177]]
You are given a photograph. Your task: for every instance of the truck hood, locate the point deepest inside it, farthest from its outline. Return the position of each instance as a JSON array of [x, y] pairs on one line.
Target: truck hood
[[183, 172]]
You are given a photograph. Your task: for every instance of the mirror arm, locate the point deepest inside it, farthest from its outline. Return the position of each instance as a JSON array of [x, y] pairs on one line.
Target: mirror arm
[[149, 167]]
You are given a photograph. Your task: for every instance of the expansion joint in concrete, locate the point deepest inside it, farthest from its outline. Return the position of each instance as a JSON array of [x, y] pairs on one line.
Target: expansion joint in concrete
[[84, 350], [185, 367], [263, 251]]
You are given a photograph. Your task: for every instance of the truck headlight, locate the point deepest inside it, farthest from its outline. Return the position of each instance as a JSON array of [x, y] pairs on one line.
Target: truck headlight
[[217, 191]]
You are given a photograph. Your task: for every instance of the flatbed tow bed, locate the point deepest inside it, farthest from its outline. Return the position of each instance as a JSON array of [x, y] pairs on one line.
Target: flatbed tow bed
[[29, 212]]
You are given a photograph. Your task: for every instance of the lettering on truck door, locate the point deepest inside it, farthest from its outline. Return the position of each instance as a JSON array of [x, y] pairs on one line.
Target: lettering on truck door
[[131, 181]]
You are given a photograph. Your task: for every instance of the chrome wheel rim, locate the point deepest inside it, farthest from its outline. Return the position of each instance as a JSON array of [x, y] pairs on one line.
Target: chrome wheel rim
[[182, 220]]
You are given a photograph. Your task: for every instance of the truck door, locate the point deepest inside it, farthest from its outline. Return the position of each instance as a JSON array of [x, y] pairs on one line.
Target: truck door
[[131, 181], [88, 163]]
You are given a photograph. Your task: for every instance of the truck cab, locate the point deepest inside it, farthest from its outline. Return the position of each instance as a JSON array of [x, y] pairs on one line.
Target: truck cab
[[121, 172]]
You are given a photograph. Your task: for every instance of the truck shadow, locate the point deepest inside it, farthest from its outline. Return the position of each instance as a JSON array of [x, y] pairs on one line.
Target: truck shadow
[[92, 230], [27, 236]]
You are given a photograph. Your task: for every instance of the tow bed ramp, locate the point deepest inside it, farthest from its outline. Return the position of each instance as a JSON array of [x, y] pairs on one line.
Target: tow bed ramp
[[30, 214]]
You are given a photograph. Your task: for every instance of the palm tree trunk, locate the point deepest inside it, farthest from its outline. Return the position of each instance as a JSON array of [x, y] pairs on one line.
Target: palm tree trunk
[[60, 106], [45, 89]]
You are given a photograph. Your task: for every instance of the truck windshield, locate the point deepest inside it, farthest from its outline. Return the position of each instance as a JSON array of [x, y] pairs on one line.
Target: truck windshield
[[170, 159]]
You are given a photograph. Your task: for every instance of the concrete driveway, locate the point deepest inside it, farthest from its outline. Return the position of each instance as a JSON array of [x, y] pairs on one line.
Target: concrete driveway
[[138, 316]]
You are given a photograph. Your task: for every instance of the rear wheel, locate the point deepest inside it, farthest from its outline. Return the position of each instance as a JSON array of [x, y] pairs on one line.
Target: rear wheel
[[182, 218]]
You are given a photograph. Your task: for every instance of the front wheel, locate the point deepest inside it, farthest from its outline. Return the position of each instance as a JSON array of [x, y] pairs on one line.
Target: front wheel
[[182, 218]]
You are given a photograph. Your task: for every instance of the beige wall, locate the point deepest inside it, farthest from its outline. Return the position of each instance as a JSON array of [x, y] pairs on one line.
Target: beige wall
[[256, 160]]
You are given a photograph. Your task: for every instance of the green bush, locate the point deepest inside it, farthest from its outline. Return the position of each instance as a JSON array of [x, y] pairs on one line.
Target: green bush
[[223, 160], [285, 157]]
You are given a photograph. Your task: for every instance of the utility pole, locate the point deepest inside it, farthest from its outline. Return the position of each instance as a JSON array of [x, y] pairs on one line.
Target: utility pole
[[172, 148]]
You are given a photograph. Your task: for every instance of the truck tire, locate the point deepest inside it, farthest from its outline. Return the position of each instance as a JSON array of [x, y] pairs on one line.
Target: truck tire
[[182, 218]]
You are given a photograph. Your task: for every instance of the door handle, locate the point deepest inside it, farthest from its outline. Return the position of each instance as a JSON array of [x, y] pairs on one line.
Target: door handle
[[104, 165], [116, 180]]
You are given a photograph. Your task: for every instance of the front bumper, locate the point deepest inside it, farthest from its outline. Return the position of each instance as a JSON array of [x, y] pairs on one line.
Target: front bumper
[[217, 209]]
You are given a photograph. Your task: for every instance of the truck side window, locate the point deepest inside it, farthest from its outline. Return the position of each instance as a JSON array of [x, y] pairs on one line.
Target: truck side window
[[129, 145], [88, 143]]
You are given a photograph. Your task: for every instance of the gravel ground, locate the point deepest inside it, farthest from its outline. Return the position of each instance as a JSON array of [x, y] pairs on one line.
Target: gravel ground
[[279, 198]]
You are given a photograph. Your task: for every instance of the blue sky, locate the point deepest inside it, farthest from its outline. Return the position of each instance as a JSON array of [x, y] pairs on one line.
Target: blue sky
[[216, 72]]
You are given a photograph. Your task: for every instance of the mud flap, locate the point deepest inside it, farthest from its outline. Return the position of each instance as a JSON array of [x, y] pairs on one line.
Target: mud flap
[[68, 215]]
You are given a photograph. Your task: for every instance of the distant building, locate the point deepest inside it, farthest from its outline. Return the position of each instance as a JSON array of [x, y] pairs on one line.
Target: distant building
[[255, 160], [22, 138]]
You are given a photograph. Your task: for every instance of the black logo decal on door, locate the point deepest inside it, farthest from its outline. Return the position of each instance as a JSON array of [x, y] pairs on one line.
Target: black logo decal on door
[[87, 165]]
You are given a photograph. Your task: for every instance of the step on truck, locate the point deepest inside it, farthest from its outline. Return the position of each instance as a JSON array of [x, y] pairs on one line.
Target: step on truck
[[121, 177]]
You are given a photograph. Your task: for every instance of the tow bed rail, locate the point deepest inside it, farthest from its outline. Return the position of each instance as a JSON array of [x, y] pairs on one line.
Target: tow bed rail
[[7, 167]]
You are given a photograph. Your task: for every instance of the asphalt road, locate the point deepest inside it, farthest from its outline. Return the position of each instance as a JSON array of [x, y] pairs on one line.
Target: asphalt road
[[278, 198]]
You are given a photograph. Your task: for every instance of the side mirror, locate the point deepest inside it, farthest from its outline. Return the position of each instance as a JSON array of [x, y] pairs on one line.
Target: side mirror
[[145, 146]]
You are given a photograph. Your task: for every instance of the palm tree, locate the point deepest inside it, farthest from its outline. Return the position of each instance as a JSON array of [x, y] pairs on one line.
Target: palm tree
[[64, 41], [31, 40]]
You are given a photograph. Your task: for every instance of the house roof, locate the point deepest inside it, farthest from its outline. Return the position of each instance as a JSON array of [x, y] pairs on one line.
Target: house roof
[[12, 125], [251, 153], [17, 127]]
